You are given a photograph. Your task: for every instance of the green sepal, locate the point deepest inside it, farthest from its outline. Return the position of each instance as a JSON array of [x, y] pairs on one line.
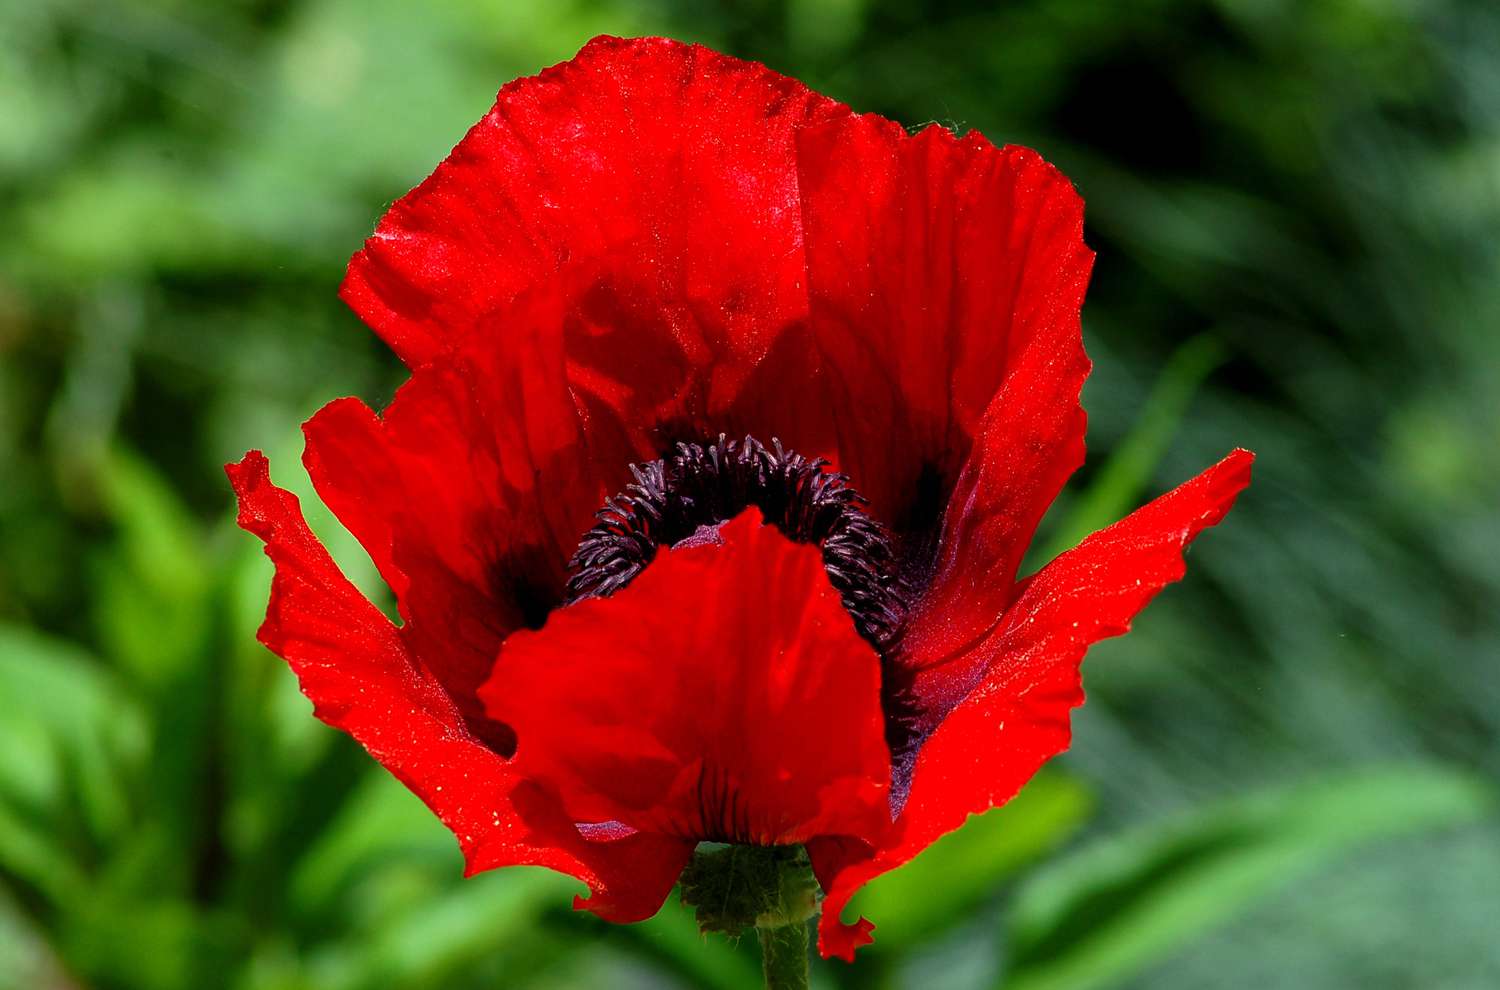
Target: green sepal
[[732, 888]]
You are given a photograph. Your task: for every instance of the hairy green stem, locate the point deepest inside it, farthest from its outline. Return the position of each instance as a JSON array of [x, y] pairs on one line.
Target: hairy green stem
[[783, 956]]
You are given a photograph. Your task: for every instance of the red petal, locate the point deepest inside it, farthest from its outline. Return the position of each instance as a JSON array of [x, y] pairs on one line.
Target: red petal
[[362, 679], [469, 493], [661, 190], [1030, 442], [1016, 716], [935, 266], [724, 694], [665, 170]]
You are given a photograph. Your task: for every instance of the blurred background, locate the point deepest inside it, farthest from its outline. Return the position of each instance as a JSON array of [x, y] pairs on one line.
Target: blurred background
[[1286, 776]]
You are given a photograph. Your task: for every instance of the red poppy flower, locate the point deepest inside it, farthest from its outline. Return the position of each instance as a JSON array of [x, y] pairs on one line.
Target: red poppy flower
[[632, 256]]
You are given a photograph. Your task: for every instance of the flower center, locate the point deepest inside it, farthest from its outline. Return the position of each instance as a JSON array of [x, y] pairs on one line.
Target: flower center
[[702, 485]]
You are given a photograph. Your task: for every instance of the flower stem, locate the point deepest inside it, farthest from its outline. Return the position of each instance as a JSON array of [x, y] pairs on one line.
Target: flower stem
[[783, 956], [769, 888]]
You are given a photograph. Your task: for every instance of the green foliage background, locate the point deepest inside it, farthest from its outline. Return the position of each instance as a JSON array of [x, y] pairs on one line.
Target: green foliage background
[[1284, 777]]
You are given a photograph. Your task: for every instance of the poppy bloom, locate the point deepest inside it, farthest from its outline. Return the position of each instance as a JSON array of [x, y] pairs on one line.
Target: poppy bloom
[[731, 414]]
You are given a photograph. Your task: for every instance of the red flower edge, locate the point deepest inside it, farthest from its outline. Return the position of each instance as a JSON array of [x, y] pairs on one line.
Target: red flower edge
[[653, 242]]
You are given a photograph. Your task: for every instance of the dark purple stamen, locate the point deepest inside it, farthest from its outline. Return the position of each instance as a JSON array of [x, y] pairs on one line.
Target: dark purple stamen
[[701, 485]]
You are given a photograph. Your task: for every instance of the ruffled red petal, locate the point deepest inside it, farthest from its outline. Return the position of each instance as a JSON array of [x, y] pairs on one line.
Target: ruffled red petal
[[724, 694], [469, 493], [362, 678], [935, 265], [665, 170], [1019, 683]]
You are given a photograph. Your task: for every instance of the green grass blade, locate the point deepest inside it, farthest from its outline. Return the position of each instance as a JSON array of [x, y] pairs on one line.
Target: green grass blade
[[1106, 913]]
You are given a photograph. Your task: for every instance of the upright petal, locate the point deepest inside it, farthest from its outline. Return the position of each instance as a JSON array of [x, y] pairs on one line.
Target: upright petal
[[935, 263], [662, 190], [661, 173], [1007, 701], [361, 678], [723, 694], [1030, 442]]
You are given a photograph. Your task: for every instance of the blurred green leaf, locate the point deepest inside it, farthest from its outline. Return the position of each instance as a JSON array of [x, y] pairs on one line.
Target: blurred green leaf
[[437, 930], [381, 889], [153, 586], [942, 884], [167, 944], [379, 822], [69, 734], [1105, 913], [157, 604], [31, 853]]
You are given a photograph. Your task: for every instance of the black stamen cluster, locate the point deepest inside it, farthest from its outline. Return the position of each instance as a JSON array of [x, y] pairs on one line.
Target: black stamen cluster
[[704, 484]]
